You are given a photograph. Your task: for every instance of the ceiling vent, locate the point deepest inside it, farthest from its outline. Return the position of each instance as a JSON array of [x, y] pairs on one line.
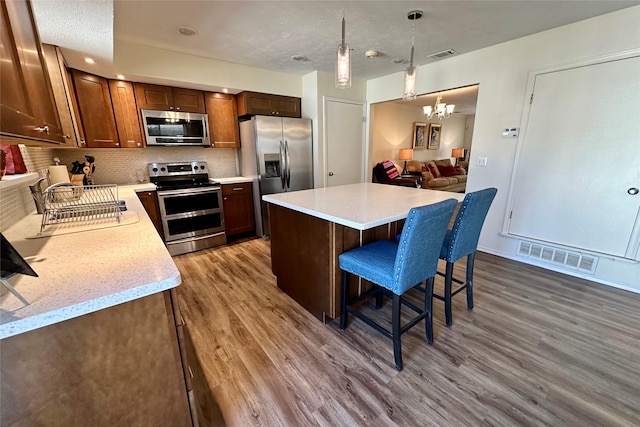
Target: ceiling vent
[[561, 257], [444, 54]]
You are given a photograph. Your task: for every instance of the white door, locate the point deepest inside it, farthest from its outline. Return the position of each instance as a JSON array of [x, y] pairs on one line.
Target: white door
[[344, 135], [580, 159]]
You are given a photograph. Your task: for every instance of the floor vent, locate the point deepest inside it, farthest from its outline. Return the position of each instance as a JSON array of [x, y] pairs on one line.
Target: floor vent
[[560, 257], [444, 54]]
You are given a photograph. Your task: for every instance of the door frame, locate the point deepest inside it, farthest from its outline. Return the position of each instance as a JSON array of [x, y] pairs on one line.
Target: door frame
[[325, 142], [633, 249]]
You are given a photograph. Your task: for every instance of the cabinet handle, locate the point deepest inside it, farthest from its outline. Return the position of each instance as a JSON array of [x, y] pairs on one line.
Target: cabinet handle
[[170, 108], [83, 142], [224, 198], [44, 129], [237, 188], [117, 144], [177, 108], [67, 136], [139, 144]]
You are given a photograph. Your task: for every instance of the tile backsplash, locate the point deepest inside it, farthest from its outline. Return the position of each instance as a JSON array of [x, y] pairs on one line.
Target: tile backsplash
[[122, 165]]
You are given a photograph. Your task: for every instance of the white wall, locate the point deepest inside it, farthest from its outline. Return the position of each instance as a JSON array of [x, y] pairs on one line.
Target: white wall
[[392, 130], [153, 65], [502, 72]]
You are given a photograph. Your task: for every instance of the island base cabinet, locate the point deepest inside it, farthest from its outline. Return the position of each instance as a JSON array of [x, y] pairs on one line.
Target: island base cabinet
[[304, 258], [114, 367]]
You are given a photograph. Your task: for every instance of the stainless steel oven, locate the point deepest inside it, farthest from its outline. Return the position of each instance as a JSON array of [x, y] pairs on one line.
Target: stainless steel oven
[[190, 207]]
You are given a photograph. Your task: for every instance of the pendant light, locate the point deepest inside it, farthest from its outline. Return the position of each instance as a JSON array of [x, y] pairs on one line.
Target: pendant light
[[410, 73], [343, 63]]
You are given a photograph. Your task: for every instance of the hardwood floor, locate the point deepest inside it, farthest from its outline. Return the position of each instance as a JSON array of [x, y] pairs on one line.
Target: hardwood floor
[[539, 348]]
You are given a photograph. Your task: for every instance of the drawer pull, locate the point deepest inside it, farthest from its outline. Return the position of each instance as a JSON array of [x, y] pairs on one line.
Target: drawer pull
[[238, 188]]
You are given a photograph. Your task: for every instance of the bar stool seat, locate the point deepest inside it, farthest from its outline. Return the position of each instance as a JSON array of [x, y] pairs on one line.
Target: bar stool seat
[[395, 267]]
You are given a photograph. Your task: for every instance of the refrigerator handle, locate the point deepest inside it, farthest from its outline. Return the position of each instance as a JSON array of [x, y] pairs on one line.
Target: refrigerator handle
[[286, 153], [283, 166]]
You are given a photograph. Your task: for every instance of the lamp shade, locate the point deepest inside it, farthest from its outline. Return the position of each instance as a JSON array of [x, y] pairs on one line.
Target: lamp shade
[[458, 153], [406, 153]]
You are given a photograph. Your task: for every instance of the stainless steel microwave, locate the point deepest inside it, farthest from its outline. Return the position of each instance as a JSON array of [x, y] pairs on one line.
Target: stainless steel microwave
[[174, 128]]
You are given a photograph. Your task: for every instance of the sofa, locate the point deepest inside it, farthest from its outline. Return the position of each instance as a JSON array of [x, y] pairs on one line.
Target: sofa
[[439, 175]]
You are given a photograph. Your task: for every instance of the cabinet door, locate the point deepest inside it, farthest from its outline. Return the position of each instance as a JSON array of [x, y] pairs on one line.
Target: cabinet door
[[237, 202], [286, 106], [149, 200], [188, 100], [254, 103], [153, 97], [96, 110], [27, 105], [223, 120], [126, 114]]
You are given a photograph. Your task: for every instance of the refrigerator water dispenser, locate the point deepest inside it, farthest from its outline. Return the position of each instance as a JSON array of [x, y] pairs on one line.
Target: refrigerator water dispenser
[[272, 166]]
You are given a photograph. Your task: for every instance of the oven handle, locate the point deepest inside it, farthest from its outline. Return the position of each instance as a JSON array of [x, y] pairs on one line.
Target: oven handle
[[187, 191]]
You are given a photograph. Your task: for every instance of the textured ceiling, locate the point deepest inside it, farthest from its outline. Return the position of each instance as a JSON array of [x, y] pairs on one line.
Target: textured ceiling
[[266, 34]]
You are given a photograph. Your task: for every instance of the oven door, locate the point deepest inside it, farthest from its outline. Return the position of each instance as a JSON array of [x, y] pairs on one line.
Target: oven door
[[191, 212]]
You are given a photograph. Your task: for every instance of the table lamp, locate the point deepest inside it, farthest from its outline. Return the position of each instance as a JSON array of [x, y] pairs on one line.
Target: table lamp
[[406, 154], [458, 153]]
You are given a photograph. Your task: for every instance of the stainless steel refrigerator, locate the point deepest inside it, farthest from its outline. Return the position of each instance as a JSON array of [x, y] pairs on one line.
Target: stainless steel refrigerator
[[276, 152]]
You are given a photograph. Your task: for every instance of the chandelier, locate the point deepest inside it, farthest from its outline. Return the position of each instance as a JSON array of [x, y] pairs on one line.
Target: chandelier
[[442, 110]]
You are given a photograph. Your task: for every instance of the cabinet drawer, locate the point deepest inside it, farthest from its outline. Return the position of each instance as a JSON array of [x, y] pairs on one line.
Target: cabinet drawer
[[231, 189]]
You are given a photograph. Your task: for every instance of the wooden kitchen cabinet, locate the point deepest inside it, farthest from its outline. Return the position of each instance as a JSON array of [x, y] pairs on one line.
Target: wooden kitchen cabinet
[[223, 120], [66, 102], [96, 110], [120, 366], [27, 106], [237, 202], [254, 103], [149, 200], [157, 97], [126, 114]]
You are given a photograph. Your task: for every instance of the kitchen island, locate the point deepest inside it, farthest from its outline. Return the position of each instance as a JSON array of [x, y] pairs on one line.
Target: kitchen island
[[98, 344], [310, 228]]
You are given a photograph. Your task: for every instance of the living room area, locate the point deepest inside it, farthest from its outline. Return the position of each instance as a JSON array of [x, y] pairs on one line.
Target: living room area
[[428, 152]]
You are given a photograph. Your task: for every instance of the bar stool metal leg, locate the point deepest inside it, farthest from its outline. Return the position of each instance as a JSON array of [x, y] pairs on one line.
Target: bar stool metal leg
[[395, 331], [428, 306], [448, 279], [344, 294], [469, 279]]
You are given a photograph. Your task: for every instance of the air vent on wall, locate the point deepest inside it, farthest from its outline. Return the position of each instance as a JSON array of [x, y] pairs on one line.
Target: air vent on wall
[[560, 257], [443, 54]]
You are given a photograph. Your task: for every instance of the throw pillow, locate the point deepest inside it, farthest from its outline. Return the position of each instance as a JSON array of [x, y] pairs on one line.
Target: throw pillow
[[448, 170], [15, 162], [434, 170], [460, 170], [390, 169]]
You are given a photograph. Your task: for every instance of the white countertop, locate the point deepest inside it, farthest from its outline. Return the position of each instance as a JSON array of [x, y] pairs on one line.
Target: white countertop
[[360, 206], [230, 180], [83, 272]]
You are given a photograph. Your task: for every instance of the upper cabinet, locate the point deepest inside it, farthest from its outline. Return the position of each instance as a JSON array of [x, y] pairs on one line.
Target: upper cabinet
[[254, 103], [223, 120], [27, 106], [155, 97], [96, 110], [126, 113]]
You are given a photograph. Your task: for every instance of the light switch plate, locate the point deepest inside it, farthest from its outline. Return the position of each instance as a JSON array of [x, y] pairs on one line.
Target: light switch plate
[[481, 161], [510, 132]]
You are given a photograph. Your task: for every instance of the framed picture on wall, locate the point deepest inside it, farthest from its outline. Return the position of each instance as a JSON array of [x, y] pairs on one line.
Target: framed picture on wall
[[420, 135], [435, 129]]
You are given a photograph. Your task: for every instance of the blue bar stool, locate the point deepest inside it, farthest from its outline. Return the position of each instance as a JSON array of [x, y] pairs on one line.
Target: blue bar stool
[[395, 267], [461, 241]]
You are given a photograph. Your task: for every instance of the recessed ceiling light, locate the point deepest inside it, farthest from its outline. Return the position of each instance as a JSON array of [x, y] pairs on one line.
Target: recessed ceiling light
[[120, 77], [89, 60], [300, 58], [371, 54], [187, 31], [400, 61]]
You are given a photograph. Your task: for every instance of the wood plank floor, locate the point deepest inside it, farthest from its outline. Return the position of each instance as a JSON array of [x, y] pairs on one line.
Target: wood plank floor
[[539, 348]]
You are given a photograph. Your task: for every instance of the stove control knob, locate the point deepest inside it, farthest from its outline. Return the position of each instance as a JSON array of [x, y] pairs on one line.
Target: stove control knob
[[201, 167], [162, 169], [155, 169], [195, 168]]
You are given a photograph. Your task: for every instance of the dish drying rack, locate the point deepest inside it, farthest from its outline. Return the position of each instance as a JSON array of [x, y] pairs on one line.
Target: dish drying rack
[[67, 203]]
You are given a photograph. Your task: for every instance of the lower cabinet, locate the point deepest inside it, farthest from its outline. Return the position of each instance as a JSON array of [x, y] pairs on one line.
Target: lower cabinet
[[237, 200], [149, 200], [120, 366]]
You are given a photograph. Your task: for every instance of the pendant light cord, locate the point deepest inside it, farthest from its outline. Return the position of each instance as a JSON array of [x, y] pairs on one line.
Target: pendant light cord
[[413, 39]]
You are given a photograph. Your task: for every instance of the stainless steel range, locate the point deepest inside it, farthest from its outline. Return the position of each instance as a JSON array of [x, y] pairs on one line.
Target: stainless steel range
[[190, 206]]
